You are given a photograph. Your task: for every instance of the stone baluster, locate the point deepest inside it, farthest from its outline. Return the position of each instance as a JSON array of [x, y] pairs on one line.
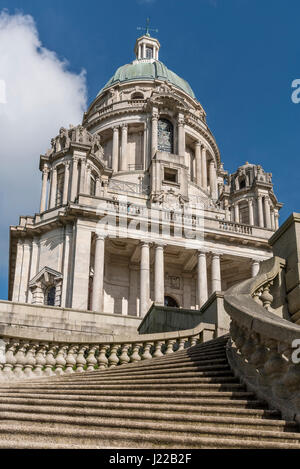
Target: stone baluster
[[30, 360], [91, 359], [102, 359], [50, 360], [20, 359], [40, 360], [71, 359], [124, 357], [181, 344], [80, 359], [3, 348], [10, 359], [158, 346], [170, 346], [266, 296], [113, 359], [147, 351], [135, 356], [60, 360]]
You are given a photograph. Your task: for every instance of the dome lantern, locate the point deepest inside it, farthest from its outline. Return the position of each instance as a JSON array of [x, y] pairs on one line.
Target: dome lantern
[[147, 47]]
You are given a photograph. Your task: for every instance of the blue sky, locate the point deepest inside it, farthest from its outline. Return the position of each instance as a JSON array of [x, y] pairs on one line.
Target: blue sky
[[239, 56]]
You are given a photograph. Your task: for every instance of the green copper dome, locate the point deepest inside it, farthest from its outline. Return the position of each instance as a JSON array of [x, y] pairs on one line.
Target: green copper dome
[[154, 70]]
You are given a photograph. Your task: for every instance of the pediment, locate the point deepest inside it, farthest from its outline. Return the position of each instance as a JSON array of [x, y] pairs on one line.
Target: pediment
[[46, 276]]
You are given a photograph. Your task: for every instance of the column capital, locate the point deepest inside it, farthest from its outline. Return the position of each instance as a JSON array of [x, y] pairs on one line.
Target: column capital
[[197, 143], [100, 236], [45, 169], [116, 128], [159, 245], [215, 255], [124, 127]]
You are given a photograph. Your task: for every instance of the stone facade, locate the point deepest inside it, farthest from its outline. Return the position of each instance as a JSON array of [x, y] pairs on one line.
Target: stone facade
[[143, 146]]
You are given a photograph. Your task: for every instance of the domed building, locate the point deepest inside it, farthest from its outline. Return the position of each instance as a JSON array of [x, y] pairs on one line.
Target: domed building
[[137, 208]]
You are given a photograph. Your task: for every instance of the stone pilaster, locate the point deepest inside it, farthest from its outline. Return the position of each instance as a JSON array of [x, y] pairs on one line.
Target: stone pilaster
[[251, 213], [198, 162]]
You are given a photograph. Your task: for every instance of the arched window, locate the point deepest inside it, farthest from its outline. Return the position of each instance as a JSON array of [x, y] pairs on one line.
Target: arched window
[[137, 95], [165, 135], [171, 302], [93, 186], [149, 53], [50, 296]]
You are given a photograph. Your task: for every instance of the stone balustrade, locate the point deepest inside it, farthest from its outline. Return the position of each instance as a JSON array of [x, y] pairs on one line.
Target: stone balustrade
[[22, 358], [261, 349], [236, 227]]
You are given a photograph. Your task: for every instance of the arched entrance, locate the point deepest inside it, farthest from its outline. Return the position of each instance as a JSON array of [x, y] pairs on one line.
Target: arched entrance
[[171, 302]]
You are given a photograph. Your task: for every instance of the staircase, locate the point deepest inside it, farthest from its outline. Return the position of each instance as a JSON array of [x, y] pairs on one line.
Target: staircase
[[188, 399]]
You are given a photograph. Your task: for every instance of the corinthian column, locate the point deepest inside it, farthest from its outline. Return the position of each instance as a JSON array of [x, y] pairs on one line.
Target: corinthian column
[[66, 182], [154, 131], [124, 165], [53, 188], [74, 179], [260, 212], [181, 136], [267, 212], [215, 273], [97, 297], [236, 213], [198, 162], [213, 180], [251, 214], [159, 291], [44, 189], [115, 150], [202, 279], [204, 168], [144, 279]]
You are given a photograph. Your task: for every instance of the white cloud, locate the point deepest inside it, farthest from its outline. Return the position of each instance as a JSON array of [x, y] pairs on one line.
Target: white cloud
[[41, 95]]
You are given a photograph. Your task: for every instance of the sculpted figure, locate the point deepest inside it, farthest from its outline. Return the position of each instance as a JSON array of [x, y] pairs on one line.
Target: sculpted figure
[[64, 139], [97, 148]]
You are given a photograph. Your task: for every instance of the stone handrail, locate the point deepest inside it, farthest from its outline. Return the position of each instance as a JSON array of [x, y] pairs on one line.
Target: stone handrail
[[24, 356], [261, 349]]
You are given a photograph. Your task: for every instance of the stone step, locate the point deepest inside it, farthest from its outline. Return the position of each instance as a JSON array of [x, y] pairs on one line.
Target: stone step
[[193, 400], [182, 385], [159, 435], [141, 393], [146, 380], [12, 403], [91, 417], [90, 376]]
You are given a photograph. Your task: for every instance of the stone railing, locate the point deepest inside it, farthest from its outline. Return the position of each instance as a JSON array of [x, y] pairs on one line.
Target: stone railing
[[262, 350], [22, 357]]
